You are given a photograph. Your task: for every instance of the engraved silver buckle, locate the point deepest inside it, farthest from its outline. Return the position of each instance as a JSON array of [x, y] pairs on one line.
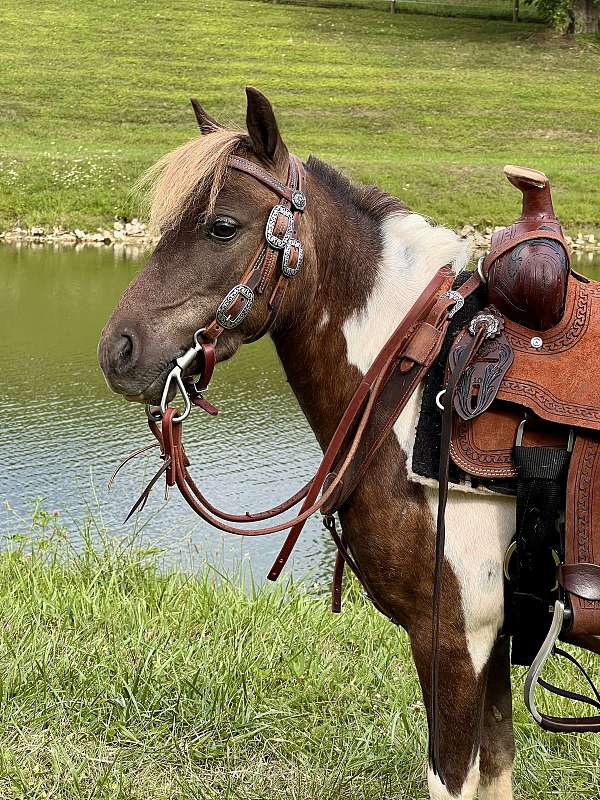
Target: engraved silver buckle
[[279, 242], [223, 317], [491, 322], [288, 271], [459, 301]]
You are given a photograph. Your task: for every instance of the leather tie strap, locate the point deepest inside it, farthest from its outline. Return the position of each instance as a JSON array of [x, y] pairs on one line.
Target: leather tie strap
[[463, 362], [590, 724]]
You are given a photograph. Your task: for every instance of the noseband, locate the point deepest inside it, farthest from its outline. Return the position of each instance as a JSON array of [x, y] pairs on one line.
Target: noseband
[[278, 246]]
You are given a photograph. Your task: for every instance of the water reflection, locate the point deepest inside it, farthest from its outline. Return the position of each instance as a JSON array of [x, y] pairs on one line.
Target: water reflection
[[64, 431]]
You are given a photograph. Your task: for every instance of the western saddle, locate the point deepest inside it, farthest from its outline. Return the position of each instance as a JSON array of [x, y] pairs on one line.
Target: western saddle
[[526, 415]]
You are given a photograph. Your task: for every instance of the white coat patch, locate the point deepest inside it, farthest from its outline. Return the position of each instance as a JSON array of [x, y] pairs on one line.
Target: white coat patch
[[478, 527], [498, 789]]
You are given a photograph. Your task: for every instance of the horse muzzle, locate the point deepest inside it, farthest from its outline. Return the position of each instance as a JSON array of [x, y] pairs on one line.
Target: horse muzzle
[[133, 364]]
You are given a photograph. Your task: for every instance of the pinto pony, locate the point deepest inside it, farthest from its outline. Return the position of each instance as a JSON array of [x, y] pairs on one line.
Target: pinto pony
[[366, 260]]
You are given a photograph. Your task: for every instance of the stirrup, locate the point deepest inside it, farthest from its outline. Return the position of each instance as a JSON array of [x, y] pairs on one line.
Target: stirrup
[[539, 662]]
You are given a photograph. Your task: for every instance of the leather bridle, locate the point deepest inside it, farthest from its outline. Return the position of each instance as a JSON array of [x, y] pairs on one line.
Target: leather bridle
[[278, 245], [397, 370]]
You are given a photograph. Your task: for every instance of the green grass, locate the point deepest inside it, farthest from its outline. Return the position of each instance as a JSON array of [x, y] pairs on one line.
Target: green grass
[[429, 108], [122, 679]]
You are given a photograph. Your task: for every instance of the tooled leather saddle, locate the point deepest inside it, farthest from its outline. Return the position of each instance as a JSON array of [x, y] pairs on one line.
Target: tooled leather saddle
[[526, 413]]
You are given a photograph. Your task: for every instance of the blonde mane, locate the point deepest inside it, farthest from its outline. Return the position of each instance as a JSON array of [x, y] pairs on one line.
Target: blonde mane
[[195, 169]]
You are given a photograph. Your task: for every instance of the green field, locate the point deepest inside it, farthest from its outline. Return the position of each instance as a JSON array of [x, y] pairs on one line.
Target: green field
[[429, 108], [124, 681]]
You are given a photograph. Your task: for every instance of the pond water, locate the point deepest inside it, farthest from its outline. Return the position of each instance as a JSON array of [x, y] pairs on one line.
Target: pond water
[[63, 431]]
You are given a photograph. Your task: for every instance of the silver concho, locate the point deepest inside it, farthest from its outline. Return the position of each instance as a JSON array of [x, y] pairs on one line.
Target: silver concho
[[491, 322], [279, 242], [459, 301], [537, 342], [223, 318], [285, 258], [299, 200]]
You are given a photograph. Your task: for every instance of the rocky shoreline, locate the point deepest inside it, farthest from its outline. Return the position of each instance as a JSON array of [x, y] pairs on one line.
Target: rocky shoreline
[[136, 234]]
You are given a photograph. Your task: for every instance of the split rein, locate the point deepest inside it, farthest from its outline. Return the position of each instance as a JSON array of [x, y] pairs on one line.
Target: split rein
[[399, 367]]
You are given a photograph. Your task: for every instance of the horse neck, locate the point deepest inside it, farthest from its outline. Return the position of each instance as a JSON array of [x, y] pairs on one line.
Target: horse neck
[[363, 275]]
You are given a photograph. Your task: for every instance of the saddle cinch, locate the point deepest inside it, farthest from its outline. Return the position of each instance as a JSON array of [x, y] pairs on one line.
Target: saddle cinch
[[526, 415]]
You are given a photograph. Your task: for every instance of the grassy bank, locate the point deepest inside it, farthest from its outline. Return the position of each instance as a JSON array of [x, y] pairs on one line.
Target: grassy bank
[[122, 680], [427, 107]]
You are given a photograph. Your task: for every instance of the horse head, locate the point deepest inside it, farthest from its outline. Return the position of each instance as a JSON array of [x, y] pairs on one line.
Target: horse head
[[211, 218]]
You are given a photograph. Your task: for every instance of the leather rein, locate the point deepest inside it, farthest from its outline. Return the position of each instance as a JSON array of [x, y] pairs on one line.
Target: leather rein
[[399, 366]]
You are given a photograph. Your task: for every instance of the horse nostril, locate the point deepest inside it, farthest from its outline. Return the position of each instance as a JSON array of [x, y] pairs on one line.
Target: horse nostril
[[123, 351], [118, 353], [125, 348]]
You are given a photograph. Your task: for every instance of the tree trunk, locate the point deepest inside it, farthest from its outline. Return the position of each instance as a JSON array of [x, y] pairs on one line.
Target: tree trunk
[[587, 16], [515, 10]]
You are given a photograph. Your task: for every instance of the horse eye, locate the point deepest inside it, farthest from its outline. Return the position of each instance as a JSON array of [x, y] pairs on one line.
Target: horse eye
[[223, 229]]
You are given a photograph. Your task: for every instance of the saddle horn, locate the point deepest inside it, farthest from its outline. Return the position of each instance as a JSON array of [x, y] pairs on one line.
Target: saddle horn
[[535, 186], [528, 263]]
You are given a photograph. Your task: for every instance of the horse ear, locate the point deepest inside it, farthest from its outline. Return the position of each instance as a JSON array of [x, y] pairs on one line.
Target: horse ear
[[206, 123], [262, 127]]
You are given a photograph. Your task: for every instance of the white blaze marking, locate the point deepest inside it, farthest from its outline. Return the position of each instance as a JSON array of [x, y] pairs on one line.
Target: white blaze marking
[[478, 527]]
